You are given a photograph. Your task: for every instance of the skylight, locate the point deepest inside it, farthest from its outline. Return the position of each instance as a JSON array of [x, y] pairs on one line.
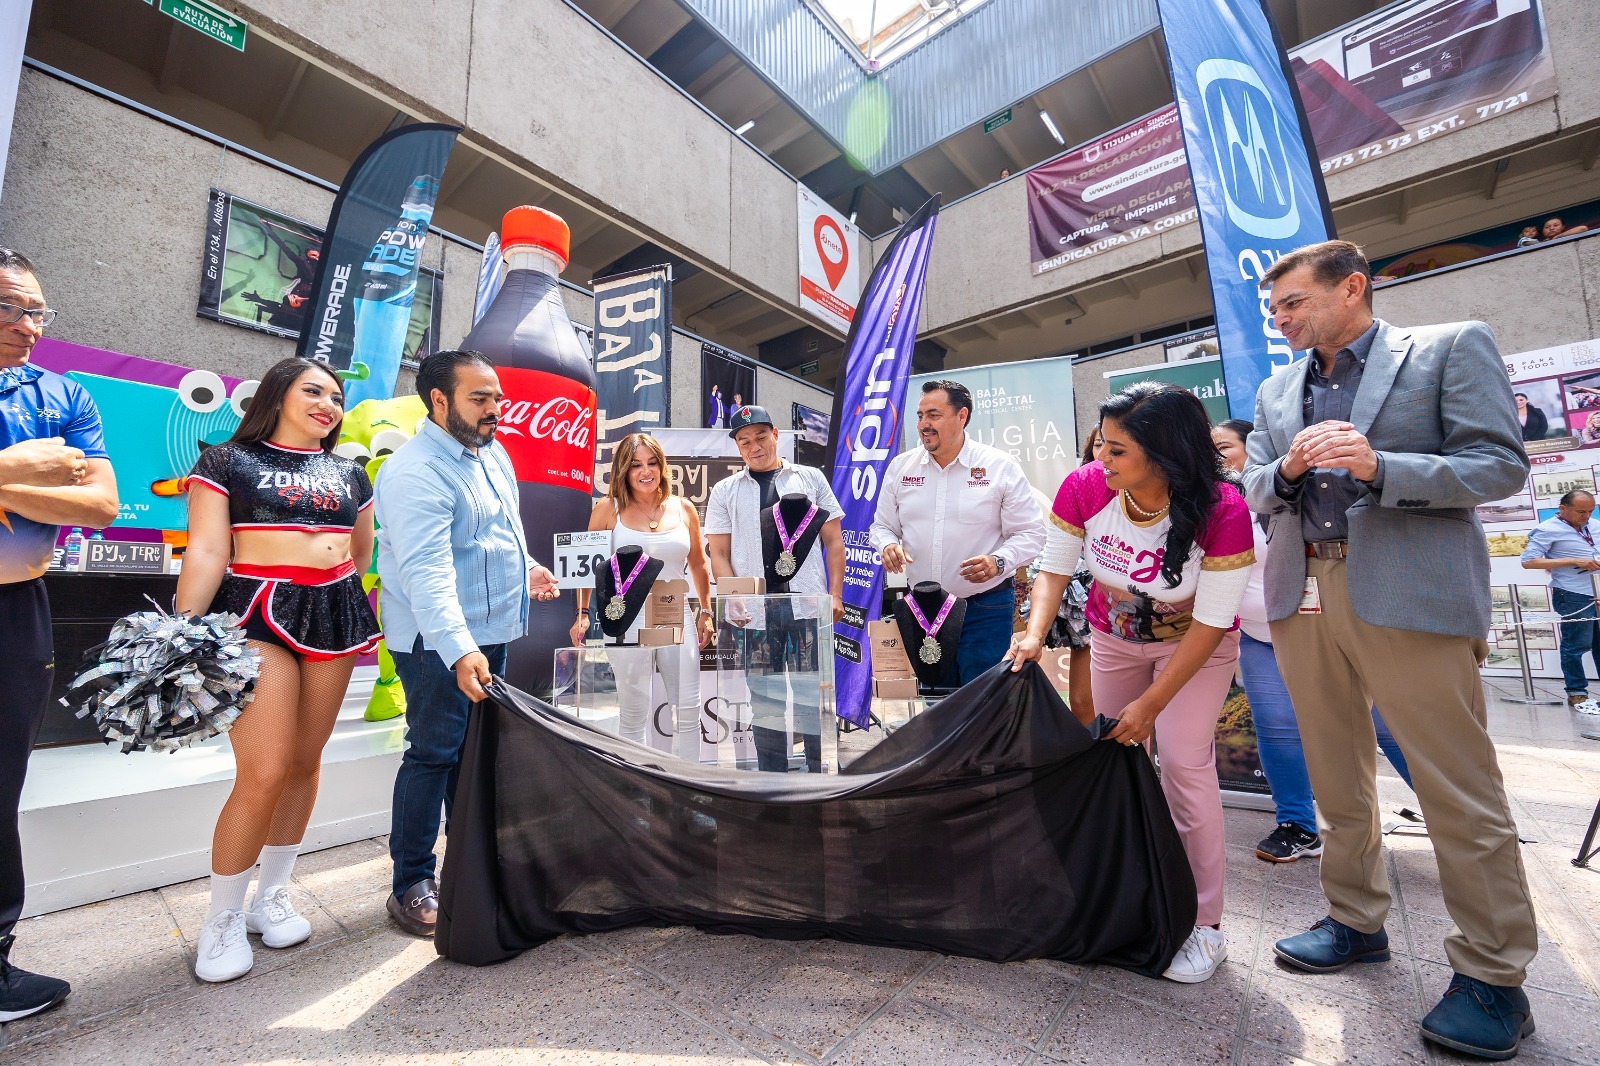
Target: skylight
[[886, 29]]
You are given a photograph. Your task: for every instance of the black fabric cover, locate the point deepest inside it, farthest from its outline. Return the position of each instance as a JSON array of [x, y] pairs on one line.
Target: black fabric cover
[[993, 826]]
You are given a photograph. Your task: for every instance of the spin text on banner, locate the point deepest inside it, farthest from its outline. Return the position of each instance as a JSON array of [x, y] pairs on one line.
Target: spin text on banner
[[866, 420]]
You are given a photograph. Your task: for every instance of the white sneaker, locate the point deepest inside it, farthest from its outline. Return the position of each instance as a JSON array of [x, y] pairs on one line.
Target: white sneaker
[[1199, 957], [224, 948], [1587, 707], [272, 915]]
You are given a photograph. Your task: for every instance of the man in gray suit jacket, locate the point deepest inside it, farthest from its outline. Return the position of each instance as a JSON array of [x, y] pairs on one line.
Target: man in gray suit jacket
[[1369, 457]]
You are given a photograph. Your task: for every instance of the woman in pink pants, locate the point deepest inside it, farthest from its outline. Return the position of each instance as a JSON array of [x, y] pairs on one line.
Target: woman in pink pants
[[1166, 536]]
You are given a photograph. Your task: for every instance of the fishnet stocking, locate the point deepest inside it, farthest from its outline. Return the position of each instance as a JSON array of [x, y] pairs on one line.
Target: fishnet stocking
[[277, 746]]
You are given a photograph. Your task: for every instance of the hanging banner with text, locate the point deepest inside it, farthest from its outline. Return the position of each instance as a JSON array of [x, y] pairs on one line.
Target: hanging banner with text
[[366, 277], [632, 339], [1130, 184], [1025, 409], [830, 273], [866, 435], [1409, 73]]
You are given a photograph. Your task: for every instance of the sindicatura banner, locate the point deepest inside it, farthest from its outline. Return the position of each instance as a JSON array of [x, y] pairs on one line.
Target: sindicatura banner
[[1558, 404], [1411, 72], [258, 268]]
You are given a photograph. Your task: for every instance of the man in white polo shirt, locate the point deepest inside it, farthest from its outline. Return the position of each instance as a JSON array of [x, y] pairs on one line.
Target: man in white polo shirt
[[961, 513], [734, 540]]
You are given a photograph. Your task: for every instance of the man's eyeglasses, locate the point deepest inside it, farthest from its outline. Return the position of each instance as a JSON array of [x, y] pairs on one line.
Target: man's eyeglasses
[[10, 314]]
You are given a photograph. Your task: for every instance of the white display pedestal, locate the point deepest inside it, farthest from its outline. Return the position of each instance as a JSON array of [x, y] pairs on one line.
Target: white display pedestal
[[98, 824]]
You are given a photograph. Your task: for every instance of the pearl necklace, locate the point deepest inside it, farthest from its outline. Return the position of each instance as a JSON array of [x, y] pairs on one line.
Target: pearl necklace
[[1139, 512]]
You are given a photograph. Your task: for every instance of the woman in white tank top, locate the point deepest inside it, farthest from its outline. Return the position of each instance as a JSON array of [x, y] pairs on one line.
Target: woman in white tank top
[[640, 510]]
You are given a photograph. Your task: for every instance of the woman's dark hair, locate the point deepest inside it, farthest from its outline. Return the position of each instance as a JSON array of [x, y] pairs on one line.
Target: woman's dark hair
[[261, 417], [1170, 424], [1089, 441], [1238, 427]]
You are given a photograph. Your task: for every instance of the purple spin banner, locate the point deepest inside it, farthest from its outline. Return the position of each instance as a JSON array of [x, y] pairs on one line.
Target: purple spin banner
[[866, 432]]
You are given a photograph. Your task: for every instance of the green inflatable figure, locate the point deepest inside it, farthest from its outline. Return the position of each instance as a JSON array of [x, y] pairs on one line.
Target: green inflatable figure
[[371, 431]]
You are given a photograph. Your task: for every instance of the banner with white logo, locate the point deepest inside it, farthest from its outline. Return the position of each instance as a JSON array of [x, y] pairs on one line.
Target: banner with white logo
[[1256, 181], [632, 339], [866, 434], [830, 274]]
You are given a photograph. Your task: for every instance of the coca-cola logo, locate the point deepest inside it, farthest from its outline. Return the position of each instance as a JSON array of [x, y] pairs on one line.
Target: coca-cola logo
[[560, 419]]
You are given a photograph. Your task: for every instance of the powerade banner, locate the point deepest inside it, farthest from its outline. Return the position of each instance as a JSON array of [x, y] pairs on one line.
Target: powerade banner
[[866, 417], [367, 277], [1257, 186], [632, 339], [1203, 377]]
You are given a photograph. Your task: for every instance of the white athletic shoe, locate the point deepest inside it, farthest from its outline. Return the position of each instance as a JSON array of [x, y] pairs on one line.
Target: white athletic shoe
[[224, 948], [1199, 957], [272, 915]]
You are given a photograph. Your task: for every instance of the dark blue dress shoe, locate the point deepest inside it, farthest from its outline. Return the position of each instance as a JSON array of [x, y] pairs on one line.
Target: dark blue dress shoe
[[1330, 946], [1480, 1019]]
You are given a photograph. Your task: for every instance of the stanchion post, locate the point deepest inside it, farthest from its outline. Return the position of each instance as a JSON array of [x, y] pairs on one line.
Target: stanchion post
[[1529, 695]]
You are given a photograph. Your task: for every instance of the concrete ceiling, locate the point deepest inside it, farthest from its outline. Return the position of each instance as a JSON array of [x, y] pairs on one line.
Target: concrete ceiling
[[272, 101], [1115, 89]]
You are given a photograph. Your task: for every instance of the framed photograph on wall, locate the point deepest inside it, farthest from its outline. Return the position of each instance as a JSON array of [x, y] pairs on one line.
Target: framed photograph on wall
[[727, 380], [257, 270]]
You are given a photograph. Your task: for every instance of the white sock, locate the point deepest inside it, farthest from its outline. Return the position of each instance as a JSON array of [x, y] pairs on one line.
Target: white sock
[[228, 892], [277, 866]]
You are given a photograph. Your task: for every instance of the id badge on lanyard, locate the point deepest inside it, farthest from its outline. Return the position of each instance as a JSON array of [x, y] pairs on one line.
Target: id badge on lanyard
[[1311, 598]]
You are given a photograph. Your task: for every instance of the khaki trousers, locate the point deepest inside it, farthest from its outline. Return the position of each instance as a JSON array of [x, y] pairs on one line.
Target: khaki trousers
[[1336, 667]]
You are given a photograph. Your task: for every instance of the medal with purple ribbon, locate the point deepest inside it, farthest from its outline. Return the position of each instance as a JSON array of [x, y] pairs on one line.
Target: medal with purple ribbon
[[617, 607], [930, 652], [787, 564]]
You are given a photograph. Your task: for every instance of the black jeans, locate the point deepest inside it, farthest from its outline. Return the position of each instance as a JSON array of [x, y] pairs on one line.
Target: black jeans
[[27, 663]]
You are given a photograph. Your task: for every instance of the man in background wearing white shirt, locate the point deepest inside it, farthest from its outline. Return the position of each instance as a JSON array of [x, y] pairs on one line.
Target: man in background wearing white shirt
[[961, 513]]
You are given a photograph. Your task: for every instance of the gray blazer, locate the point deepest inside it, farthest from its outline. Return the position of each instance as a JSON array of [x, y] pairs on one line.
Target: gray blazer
[[1435, 403]]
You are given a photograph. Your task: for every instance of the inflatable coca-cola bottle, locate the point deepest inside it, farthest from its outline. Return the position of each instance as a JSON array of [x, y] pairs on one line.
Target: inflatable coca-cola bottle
[[548, 422]]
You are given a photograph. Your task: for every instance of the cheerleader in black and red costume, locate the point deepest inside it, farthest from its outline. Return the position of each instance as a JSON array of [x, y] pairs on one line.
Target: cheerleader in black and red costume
[[276, 521]]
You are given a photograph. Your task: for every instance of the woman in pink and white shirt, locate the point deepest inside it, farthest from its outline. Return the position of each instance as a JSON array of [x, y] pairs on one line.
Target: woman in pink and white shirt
[[1166, 536]]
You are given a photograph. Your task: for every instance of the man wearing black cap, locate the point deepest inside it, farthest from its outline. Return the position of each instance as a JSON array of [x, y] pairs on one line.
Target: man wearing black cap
[[733, 529]]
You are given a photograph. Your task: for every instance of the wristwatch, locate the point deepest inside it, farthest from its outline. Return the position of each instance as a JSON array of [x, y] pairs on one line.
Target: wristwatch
[[1000, 561]]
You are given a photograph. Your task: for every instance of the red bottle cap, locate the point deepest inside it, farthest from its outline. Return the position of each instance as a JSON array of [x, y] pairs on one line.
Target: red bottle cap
[[538, 227]]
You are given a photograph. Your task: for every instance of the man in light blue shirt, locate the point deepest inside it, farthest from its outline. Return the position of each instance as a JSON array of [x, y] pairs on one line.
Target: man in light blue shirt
[[457, 580], [1565, 546]]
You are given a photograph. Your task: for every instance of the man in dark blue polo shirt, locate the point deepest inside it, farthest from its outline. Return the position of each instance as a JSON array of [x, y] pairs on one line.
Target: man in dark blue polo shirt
[[53, 472]]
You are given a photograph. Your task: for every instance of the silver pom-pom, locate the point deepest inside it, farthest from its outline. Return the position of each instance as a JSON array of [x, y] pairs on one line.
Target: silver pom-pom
[[165, 681]]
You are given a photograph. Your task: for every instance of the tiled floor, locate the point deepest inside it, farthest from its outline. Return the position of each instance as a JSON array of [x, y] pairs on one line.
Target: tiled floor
[[361, 992]]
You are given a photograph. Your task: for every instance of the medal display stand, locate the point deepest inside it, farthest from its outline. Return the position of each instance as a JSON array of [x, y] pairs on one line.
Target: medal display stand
[[622, 587], [778, 652], [930, 622], [770, 665], [789, 533]]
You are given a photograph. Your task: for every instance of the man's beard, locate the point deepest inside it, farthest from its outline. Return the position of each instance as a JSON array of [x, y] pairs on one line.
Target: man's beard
[[466, 432]]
